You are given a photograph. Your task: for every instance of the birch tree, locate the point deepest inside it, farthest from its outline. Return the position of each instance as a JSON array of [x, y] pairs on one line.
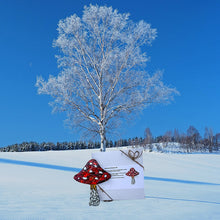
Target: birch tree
[[103, 76]]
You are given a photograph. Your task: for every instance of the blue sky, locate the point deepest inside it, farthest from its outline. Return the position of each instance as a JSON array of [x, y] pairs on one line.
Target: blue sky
[[187, 49]]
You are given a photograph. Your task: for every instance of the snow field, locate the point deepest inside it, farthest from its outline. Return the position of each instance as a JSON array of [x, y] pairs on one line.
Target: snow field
[[183, 186]]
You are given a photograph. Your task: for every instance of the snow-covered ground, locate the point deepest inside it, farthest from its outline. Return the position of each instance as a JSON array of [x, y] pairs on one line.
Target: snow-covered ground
[[177, 186]]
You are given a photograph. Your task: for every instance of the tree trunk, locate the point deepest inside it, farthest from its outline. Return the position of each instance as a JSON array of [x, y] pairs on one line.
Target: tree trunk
[[103, 142]]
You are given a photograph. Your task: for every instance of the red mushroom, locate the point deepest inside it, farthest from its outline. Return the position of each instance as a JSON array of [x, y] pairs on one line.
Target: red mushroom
[[92, 174], [132, 173]]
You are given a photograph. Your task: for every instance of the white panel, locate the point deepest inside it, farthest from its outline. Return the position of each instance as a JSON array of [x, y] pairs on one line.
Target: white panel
[[119, 187]]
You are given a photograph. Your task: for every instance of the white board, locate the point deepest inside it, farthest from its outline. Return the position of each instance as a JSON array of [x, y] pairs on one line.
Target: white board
[[117, 163]]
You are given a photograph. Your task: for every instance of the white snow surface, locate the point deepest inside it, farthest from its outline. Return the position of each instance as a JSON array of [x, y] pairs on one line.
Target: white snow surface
[[177, 186]]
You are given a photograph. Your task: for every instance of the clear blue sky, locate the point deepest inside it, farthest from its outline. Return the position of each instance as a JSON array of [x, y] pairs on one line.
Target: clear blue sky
[[187, 49]]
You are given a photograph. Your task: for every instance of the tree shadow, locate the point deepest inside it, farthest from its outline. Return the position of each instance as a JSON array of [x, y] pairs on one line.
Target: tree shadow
[[41, 165], [74, 169], [179, 181], [183, 200]]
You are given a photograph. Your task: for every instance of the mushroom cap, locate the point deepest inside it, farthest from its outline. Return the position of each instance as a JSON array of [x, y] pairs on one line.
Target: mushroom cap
[[92, 174], [132, 172]]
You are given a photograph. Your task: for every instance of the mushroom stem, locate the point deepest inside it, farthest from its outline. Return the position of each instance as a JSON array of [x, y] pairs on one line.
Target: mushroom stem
[[94, 196], [132, 180]]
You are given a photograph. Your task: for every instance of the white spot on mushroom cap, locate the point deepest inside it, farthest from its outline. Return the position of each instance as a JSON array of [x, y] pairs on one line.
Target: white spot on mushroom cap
[[85, 178], [105, 175], [96, 178], [100, 172]]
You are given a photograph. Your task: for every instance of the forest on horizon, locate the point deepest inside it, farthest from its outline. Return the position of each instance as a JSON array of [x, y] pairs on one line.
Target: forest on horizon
[[191, 141]]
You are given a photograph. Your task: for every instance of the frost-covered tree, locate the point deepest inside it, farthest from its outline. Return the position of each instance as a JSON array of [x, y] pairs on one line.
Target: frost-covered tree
[[209, 137], [148, 138], [103, 77], [176, 135], [193, 135]]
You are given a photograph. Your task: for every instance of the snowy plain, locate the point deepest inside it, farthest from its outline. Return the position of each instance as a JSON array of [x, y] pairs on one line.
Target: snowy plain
[[40, 186]]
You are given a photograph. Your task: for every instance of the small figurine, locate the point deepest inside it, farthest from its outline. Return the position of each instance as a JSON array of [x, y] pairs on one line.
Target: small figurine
[[132, 173]]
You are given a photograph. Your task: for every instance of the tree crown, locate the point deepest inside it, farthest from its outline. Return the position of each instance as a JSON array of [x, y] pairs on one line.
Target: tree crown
[[102, 65]]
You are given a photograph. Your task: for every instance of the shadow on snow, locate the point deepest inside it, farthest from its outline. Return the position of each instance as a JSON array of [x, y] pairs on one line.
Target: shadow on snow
[[73, 169], [183, 200], [179, 181], [41, 165]]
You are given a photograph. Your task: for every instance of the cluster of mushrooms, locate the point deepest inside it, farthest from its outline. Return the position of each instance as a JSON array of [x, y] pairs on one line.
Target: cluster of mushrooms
[[93, 174]]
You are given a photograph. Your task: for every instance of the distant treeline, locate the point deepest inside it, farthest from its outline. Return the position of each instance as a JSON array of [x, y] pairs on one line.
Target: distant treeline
[[45, 146], [191, 141]]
